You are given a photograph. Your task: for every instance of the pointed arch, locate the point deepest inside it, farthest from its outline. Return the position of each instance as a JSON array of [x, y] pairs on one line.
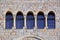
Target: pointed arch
[[9, 20], [40, 20], [51, 20], [30, 21], [19, 20]]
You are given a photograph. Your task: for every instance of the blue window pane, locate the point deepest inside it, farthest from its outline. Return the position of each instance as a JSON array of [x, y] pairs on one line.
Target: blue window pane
[[30, 21], [51, 21], [51, 17], [9, 21], [9, 24], [51, 24], [40, 21], [19, 21]]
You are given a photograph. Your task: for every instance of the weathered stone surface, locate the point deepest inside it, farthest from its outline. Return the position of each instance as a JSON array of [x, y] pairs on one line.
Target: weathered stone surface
[[29, 5]]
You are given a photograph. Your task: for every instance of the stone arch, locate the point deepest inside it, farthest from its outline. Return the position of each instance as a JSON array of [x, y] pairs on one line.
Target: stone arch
[[40, 20], [30, 19], [9, 20], [51, 20], [32, 36], [19, 20]]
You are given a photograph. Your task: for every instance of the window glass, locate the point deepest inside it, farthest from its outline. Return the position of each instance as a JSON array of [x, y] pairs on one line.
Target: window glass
[[40, 20], [30, 20], [9, 20], [19, 20], [51, 20]]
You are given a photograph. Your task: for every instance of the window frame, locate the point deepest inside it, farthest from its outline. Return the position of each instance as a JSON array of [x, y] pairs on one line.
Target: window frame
[[7, 14], [30, 13], [40, 13], [19, 13], [50, 14]]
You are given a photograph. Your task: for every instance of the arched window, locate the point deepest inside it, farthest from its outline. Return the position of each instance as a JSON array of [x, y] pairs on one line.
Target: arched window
[[19, 20], [40, 20], [30, 21], [9, 20], [51, 20]]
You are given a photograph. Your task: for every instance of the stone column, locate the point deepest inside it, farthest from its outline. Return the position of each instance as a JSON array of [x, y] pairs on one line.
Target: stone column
[[46, 22], [14, 22], [4, 21], [25, 27], [35, 22], [35, 28]]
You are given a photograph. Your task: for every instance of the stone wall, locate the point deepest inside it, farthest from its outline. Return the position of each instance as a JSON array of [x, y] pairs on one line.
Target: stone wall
[[29, 5]]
